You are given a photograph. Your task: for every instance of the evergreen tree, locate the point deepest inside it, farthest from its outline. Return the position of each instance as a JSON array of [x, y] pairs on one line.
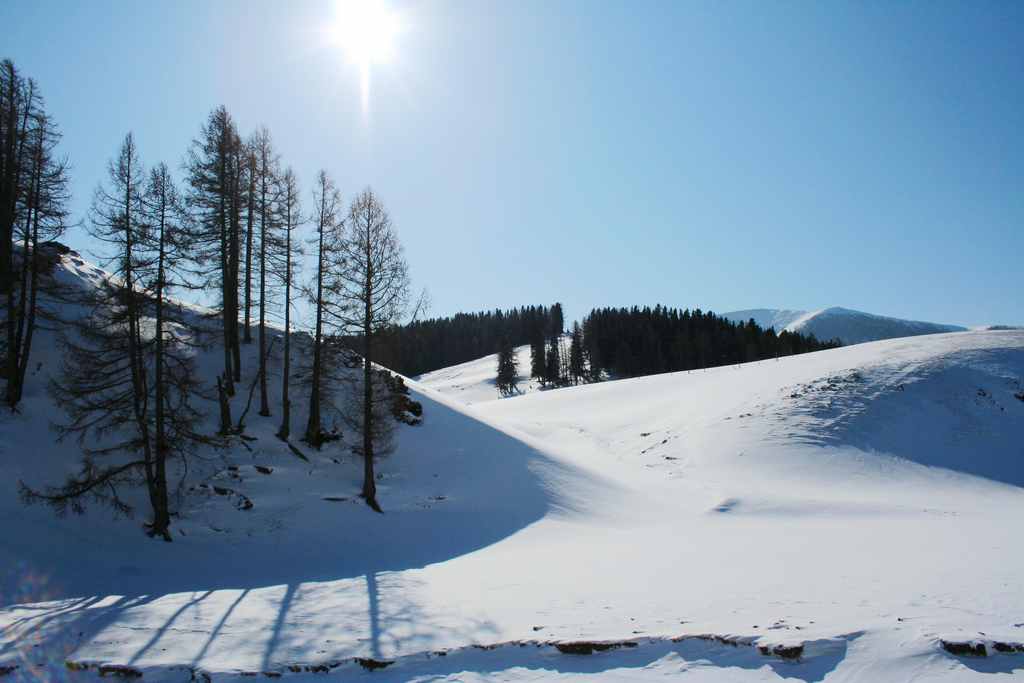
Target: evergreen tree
[[577, 367], [553, 363], [507, 368]]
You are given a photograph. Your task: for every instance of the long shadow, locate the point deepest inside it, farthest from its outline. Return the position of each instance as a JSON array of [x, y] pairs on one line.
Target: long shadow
[[159, 633], [496, 484], [215, 631], [373, 609], [276, 632], [41, 645], [501, 484]]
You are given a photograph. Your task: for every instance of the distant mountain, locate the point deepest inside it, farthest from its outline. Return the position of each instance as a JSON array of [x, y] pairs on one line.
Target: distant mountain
[[849, 326]]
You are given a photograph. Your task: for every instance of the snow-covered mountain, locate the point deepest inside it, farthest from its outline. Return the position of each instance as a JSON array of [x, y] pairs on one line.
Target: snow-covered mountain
[[849, 326], [848, 515]]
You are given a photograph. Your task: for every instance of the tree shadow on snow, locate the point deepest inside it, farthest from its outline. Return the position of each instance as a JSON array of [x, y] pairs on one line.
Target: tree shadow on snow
[[335, 569]]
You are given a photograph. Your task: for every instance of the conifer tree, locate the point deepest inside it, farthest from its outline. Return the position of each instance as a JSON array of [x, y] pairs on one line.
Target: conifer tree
[[41, 217], [329, 226], [291, 219], [126, 387], [577, 368], [507, 368], [265, 172], [368, 296], [33, 200], [214, 165]]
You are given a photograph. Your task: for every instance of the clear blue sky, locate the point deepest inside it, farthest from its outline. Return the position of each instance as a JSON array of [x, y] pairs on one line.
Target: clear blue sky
[[717, 154]]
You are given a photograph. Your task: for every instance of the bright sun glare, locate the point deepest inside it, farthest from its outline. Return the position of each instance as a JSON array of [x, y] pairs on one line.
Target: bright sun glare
[[366, 30]]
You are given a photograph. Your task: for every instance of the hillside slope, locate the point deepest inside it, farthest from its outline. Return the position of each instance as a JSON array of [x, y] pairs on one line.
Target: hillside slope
[[846, 510], [476, 380], [849, 326]]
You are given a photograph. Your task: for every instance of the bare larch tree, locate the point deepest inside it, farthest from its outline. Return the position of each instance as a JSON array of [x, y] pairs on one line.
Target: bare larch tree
[[370, 294]]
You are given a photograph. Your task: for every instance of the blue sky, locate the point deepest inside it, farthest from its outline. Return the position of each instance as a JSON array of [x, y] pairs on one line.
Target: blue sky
[[724, 155]]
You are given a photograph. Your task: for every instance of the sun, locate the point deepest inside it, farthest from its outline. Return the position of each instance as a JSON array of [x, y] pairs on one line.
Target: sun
[[366, 30]]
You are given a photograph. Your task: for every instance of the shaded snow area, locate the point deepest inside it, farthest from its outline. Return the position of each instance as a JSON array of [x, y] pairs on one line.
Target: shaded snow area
[[844, 324], [847, 515]]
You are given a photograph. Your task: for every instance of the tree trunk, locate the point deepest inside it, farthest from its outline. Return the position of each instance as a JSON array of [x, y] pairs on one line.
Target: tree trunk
[[27, 312], [248, 250], [234, 259], [225, 273], [369, 478], [313, 428], [161, 512], [286, 414], [264, 402]]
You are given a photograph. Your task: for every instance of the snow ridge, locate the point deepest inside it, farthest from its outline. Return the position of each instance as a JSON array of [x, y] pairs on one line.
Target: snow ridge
[[847, 325]]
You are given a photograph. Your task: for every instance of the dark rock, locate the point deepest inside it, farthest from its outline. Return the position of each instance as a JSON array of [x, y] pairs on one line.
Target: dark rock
[[221, 491], [964, 649], [372, 664], [262, 469], [119, 671], [584, 647], [7, 670], [1008, 647], [782, 651]]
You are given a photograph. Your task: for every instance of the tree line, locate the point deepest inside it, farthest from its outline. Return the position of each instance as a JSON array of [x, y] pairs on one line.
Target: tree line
[[129, 382], [615, 343], [631, 342], [424, 345]]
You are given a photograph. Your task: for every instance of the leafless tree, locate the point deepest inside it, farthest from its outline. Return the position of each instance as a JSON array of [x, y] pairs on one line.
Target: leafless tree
[[127, 375], [369, 294], [291, 220], [34, 195], [215, 164], [329, 227], [265, 174]]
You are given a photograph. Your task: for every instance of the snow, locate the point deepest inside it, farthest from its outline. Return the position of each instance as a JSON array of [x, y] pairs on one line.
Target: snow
[[476, 380], [863, 502], [849, 326]]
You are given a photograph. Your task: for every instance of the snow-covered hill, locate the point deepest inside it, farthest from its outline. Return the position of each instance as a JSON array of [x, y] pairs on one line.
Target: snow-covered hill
[[476, 380], [831, 516], [850, 327]]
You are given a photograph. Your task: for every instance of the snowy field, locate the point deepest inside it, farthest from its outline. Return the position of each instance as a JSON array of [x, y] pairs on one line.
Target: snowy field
[[834, 516]]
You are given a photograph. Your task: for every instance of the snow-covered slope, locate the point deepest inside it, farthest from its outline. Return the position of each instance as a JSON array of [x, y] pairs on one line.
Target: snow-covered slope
[[849, 326], [475, 381], [831, 516]]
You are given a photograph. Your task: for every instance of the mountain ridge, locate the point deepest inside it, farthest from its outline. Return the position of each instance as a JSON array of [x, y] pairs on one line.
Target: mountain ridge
[[846, 324]]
